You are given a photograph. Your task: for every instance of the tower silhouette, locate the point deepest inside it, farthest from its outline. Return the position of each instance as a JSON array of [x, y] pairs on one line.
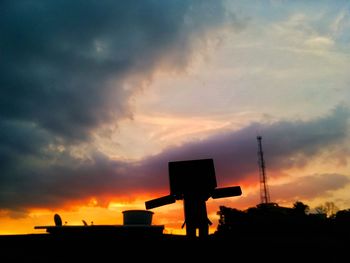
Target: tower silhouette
[[264, 189]]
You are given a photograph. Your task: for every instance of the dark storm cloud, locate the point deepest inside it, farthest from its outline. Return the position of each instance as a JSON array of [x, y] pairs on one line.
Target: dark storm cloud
[[70, 179], [57, 57], [65, 67], [292, 144]]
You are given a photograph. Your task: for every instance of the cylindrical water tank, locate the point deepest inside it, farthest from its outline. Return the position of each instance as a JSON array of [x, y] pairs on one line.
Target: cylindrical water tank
[[137, 217]]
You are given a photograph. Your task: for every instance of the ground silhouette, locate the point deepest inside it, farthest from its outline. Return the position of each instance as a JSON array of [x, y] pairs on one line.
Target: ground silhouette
[[268, 233]]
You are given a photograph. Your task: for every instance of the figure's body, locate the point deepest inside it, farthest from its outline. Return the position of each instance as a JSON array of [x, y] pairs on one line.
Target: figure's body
[[196, 215]]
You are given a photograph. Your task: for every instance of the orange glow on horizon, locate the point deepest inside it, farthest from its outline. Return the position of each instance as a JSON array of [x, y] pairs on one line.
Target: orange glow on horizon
[[171, 216], [108, 209]]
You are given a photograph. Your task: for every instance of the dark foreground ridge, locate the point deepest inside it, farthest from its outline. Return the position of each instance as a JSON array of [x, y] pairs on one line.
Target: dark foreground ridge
[[330, 247]]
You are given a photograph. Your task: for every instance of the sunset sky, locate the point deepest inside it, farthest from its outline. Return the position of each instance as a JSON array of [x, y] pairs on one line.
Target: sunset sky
[[96, 97]]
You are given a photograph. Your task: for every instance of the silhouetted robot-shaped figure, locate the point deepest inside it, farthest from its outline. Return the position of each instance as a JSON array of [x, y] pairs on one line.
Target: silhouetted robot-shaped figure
[[194, 182]]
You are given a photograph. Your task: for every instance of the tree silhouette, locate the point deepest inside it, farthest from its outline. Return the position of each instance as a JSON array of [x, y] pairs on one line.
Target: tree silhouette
[[321, 210], [300, 208], [289, 223], [342, 218], [328, 208]]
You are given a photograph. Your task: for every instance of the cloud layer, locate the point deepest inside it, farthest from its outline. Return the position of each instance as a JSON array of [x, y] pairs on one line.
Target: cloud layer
[[72, 180], [64, 65]]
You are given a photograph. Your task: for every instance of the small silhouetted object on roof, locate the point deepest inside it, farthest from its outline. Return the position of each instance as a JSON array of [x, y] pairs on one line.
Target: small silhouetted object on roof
[[194, 182], [58, 220]]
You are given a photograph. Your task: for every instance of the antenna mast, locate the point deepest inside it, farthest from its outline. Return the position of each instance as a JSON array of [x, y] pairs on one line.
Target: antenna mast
[[264, 190]]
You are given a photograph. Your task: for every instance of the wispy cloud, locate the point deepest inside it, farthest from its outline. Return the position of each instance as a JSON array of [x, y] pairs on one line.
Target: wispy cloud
[[308, 187]]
